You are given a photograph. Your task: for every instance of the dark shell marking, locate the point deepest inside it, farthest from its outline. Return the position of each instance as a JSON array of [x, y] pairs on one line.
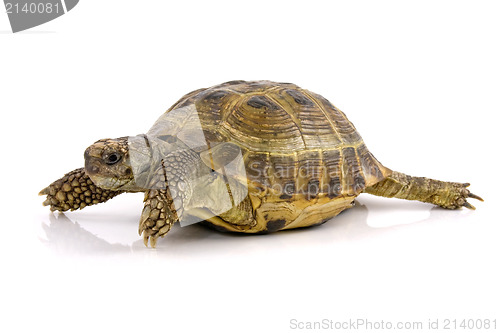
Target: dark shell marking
[[300, 98], [262, 102]]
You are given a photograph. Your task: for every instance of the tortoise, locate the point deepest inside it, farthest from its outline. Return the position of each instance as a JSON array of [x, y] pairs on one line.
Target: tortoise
[[249, 157]]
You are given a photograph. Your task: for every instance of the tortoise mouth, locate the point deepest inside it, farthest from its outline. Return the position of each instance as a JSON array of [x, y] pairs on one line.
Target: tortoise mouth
[[110, 183]]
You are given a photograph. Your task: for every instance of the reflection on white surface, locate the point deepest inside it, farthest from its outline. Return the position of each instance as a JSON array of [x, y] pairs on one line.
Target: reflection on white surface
[[66, 235], [388, 213], [356, 264]]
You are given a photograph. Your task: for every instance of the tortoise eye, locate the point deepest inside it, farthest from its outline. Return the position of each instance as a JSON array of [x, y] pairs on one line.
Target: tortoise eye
[[112, 158]]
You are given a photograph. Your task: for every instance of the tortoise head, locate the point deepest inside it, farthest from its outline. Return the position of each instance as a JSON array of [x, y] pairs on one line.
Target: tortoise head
[[107, 163]]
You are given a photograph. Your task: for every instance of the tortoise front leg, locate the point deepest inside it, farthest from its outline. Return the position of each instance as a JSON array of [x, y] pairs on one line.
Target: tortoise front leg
[[75, 190], [158, 215]]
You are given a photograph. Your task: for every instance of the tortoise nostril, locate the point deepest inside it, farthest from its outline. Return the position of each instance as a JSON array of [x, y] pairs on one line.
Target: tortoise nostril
[[93, 169]]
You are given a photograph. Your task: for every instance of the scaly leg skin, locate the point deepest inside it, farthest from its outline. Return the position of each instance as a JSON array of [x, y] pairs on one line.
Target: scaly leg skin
[[444, 194], [158, 216], [75, 191]]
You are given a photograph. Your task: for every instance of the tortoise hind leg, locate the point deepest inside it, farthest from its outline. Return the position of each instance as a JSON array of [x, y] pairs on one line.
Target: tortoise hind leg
[[74, 191], [445, 194]]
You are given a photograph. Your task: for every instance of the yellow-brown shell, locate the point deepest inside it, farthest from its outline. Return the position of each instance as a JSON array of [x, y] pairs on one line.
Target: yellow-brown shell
[[304, 159]]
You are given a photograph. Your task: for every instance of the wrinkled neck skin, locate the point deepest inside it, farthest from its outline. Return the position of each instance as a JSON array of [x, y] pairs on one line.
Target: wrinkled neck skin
[[157, 164], [142, 161]]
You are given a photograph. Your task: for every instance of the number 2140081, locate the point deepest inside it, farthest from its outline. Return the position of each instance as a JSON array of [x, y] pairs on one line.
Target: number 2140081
[[32, 8], [470, 324]]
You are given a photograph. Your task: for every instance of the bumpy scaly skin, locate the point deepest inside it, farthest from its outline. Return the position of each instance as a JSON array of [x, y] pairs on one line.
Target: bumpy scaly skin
[[75, 191], [158, 216], [445, 194]]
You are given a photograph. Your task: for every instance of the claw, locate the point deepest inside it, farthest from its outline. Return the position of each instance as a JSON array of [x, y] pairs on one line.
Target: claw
[[149, 236], [472, 195], [468, 205], [151, 240]]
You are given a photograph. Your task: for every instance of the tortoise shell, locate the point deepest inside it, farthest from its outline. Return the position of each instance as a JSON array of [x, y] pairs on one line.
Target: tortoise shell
[[305, 161]]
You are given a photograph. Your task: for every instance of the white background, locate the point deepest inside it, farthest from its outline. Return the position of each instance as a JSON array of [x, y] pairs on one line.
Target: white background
[[419, 79]]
